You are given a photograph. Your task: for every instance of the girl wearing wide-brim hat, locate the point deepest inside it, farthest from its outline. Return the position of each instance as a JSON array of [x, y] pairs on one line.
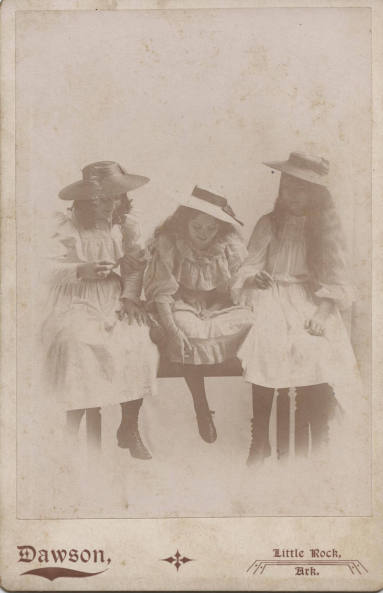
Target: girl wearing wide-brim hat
[[195, 254], [98, 350], [296, 279]]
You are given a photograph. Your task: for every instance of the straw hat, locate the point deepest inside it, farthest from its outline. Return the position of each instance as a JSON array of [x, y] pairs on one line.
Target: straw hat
[[212, 204], [304, 166], [101, 180]]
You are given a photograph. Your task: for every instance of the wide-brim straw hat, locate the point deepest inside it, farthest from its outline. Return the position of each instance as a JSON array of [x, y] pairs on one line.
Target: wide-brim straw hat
[[103, 179], [212, 204], [308, 167]]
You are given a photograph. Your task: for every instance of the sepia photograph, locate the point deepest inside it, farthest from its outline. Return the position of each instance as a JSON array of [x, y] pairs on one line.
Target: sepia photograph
[[194, 284], [196, 191]]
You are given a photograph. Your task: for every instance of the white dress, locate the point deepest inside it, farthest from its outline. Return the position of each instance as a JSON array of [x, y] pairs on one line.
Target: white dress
[[91, 358], [278, 351]]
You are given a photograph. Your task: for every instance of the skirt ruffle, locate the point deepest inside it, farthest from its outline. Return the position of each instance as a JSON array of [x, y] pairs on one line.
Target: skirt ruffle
[[214, 337]]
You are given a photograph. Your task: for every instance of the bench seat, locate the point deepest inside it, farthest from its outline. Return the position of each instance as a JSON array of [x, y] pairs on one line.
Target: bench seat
[[229, 368]]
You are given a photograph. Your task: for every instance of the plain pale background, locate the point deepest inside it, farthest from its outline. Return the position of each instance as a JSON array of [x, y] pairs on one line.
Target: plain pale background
[[188, 97]]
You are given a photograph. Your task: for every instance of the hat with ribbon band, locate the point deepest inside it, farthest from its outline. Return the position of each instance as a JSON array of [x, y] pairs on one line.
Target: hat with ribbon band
[[104, 179], [211, 204], [308, 167]]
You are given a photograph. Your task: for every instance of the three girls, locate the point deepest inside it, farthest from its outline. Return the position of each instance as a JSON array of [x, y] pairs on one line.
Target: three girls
[[275, 307]]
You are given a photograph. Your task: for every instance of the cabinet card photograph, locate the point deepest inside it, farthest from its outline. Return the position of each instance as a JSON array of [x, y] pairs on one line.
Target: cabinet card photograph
[[189, 269]]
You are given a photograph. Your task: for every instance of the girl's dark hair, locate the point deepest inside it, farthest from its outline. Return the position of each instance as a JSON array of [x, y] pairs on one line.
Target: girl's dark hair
[[85, 214], [122, 210], [176, 224], [326, 245]]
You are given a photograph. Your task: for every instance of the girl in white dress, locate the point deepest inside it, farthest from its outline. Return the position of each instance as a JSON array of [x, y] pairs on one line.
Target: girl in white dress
[[98, 349], [296, 279]]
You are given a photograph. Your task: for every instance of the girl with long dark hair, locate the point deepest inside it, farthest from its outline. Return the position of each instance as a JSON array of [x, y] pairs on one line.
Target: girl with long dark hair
[[296, 279]]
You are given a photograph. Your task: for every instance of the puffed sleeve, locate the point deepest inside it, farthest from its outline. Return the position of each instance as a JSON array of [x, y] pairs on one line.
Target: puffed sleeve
[[256, 259], [160, 284], [133, 262], [60, 253], [343, 295], [335, 283]]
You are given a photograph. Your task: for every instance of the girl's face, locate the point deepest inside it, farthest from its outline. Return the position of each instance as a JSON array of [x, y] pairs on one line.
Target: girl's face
[[294, 194], [202, 229], [102, 208]]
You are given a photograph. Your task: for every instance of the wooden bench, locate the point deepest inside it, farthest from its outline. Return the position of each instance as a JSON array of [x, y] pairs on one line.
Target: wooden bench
[[229, 368]]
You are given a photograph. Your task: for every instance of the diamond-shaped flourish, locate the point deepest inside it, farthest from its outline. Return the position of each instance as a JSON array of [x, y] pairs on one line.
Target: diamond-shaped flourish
[[177, 560]]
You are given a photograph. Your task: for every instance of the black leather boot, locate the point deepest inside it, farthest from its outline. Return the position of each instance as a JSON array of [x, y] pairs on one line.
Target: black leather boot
[[260, 443], [206, 426], [128, 435]]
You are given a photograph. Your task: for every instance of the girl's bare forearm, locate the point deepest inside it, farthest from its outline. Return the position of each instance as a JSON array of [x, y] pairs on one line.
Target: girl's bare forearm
[[166, 316]]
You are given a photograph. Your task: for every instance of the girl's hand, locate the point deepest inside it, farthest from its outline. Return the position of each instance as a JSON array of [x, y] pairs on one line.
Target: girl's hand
[[316, 326], [134, 311], [261, 280], [179, 344], [95, 270]]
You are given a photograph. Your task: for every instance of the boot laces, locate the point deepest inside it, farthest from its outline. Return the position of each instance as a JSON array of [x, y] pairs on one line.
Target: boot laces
[[252, 442]]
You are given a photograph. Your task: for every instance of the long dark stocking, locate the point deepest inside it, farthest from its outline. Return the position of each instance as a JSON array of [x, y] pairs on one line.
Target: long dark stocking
[[314, 407], [283, 423], [196, 383], [262, 403], [260, 442]]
